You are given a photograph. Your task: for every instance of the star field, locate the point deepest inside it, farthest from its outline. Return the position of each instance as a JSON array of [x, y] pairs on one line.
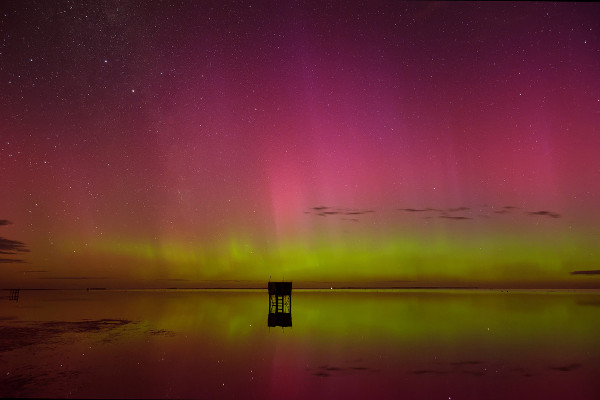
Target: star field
[[435, 143]]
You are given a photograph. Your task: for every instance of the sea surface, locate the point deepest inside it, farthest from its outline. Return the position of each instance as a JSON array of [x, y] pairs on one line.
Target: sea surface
[[346, 344]]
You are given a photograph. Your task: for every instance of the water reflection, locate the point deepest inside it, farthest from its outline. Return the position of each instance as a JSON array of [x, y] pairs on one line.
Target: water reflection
[[426, 344]]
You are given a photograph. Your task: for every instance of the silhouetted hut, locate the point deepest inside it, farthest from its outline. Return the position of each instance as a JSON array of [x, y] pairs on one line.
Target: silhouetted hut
[[14, 295], [280, 304]]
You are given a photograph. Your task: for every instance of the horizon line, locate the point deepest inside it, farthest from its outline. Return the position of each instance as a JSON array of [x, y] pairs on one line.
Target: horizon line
[[310, 288]]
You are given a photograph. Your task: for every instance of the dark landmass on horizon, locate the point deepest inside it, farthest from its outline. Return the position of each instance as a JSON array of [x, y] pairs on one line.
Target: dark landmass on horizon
[[587, 272]]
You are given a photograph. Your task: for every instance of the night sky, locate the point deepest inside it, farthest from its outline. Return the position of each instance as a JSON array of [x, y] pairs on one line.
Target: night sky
[[198, 144]]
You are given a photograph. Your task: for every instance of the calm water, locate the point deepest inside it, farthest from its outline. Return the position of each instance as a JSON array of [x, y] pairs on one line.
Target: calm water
[[343, 344]]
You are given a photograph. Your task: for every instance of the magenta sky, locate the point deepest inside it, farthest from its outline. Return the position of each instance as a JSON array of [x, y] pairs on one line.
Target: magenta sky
[[170, 145]]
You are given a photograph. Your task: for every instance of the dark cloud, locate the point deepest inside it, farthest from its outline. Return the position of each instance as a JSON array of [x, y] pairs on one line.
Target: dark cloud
[[567, 368], [427, 371], [324, 211], [359, 212], [545, 213], [453, 217], [10, 261], [11, 247], [329, 370], [586, 272], [162, 332], [77, 277], [429, 209], [475, 368], [458, 209], [445, 213], [8, 246]]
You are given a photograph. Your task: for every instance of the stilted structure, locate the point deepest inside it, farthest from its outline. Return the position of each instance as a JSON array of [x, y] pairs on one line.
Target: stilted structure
[[13, 295], [280, 304]]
